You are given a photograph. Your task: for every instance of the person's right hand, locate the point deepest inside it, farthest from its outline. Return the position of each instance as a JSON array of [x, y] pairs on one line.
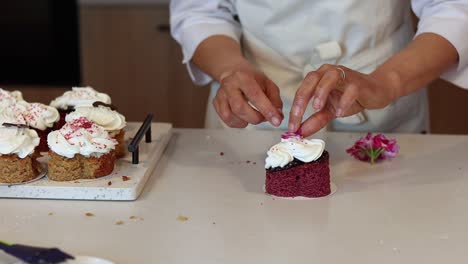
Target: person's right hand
[[244, 87]]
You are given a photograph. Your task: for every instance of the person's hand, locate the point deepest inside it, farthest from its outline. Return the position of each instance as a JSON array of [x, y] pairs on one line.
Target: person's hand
[[244, 87], [338, 92]]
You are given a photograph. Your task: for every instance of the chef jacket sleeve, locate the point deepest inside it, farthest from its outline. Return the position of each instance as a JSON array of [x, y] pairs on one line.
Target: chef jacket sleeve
[[449, 19], [194, 21]]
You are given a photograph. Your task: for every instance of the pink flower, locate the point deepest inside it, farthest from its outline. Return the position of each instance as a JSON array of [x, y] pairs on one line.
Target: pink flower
[[375, 148], [288, 134]]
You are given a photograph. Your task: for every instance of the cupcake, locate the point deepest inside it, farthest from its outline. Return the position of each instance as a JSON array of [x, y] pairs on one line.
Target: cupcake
[[8, 98], [17, 154], [40, 117], [109, 119], [78, 96], [80, 150], [298, 167]]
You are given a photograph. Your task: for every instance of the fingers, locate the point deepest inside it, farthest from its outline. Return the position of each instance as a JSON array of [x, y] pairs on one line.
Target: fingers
[[301, 100], [223, 109], [245, 98], [273, 93], [255, 94], [329, 81], [317, 121], [241, 108], [349, 97]]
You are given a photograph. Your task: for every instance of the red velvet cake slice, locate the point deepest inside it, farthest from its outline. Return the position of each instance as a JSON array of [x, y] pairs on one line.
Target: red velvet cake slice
[[298, 167]]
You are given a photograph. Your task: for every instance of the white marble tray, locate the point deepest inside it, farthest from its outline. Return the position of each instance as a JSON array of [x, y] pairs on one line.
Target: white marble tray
[[111, 187]]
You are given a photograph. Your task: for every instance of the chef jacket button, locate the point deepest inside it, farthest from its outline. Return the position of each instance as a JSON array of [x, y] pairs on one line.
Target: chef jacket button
[[327, 51]]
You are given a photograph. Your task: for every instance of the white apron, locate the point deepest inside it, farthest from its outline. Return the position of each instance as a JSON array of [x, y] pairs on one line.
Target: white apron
[[287, 39]]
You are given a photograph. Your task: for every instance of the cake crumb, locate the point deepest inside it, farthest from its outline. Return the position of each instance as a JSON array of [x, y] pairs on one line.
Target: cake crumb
[[182, 218], [76, 182], [247, 161], [51, 213], [254, 163], [214, 223], [125, 178], [109, 183], [119, 223], [136, 218], [261, 203], [89, 214], [221, 153]]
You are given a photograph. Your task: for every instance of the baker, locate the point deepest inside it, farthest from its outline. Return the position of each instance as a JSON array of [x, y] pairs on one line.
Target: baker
[[348, 65]]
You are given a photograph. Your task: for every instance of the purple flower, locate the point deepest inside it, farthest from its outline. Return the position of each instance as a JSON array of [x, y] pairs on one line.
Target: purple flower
[[374, 148]]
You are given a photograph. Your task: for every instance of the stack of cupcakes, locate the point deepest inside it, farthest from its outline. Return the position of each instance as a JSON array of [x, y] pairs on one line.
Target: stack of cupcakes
[[40, 117], [17, 143], [90, 138], [106, 117], [80, 130], [80, 150]]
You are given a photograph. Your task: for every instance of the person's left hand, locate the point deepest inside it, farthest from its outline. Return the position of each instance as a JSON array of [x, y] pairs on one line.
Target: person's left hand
[[338, 93]]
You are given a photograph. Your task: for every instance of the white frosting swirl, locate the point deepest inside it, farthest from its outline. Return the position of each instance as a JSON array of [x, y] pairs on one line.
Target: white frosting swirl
[[19, 141], [81, 136], [35, 115], [103, 116], [302, 149], [40, 116], [8, 98], [79, 96], [13, 114]]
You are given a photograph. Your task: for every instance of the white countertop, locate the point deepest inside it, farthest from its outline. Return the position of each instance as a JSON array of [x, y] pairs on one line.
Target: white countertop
[[411, 210]]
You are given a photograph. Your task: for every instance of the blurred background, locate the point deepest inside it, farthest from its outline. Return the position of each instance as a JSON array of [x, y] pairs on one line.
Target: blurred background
[[124, 48]]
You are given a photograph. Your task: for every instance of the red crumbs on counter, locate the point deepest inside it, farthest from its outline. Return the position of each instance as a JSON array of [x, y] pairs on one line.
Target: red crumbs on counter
[[109, 183], [221, 153], [125, 178]]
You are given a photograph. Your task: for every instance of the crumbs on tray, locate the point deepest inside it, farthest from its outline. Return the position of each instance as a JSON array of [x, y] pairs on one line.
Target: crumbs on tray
[[182, 218], [119, 223], [125, 178], [89, 214]]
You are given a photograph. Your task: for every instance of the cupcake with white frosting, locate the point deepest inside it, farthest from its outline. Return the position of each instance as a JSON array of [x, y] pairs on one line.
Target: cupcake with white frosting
[[18, 153], [112, 121], [78, 96], [298, 167], [40, 117], [80, 150]]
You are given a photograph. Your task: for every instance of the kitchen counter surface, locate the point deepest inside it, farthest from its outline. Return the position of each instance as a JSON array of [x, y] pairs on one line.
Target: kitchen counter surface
[[205, 204]]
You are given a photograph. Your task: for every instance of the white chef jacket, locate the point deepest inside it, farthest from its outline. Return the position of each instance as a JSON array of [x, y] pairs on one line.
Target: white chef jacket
[[281, 38]]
